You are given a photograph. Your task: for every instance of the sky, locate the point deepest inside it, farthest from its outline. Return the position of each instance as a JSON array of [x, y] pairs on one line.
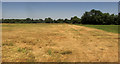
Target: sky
[[54, 10], [60, 0], [0, 9], [119, 7]]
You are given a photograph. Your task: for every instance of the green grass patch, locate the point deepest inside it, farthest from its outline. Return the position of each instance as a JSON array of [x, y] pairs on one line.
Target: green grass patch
[[22, 50], [108, 28], [8, 44], [49, 52]]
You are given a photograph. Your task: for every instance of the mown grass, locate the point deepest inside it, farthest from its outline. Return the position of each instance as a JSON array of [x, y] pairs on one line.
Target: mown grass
[[108, 28], [47, 43]]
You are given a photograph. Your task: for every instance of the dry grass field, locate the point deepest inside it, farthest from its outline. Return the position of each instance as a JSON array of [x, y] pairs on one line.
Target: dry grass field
[[57, 43]]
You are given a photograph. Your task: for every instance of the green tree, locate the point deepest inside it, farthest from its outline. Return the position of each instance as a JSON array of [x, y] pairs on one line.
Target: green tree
[[60, 21], [28, 20], [118, 22], [40, 21], [97, 17], [75, 20], [85, 19], [66, 21], [48, 20]]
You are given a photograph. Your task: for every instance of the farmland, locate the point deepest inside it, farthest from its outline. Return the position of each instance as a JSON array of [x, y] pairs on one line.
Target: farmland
[[57, 43], [108, 28]]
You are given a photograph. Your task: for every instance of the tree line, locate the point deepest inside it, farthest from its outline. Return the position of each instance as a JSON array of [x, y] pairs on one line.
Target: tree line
[[92, 17]]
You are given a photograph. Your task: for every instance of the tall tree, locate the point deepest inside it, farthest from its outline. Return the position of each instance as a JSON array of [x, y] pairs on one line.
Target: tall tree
[[75, 20], [60, 20], [48, 20]]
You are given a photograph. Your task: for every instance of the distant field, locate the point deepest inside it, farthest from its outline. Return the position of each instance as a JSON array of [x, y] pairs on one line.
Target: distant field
[[57, 43], [108, 28]]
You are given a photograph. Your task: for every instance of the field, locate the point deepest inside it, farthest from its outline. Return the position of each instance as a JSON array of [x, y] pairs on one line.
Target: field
[[57, 43], [108, 28]]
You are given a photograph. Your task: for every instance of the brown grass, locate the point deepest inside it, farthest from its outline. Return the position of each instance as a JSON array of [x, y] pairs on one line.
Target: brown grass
[[57, 43]]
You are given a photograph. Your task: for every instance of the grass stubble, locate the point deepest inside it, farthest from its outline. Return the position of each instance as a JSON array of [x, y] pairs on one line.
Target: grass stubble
[[57, 43]]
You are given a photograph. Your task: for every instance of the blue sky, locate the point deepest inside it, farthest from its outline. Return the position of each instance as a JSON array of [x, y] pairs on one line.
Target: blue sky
[[54, 10], [119, 8], [60, 0], [0, 9]]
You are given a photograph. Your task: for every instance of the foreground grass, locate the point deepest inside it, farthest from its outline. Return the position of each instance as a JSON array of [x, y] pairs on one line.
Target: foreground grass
[[57, 43], [108, 28]]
